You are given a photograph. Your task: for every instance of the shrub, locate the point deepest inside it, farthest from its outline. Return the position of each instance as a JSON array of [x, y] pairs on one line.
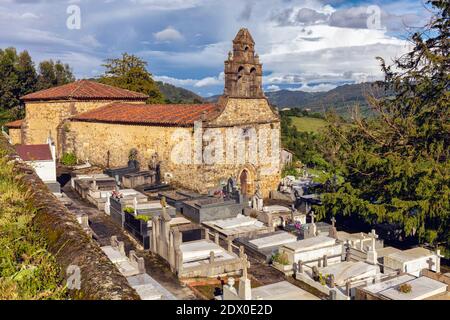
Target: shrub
[[281, 258], [143, 217], [128, 210], [69, 159], [405, 288]]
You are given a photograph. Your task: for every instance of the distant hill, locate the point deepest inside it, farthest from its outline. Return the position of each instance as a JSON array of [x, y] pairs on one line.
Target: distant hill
[[175, 94], [340, 98]]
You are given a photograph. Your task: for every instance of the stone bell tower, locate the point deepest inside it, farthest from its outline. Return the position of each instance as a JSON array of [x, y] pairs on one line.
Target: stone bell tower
[[243, 71]]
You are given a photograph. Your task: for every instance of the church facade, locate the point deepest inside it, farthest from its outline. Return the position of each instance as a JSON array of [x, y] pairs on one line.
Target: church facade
[[199, 146]]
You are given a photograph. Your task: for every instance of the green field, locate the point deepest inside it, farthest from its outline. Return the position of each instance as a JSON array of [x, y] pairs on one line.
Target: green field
[[307, 124]]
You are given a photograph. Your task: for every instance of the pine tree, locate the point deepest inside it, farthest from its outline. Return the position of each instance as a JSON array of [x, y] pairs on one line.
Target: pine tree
[[130, 72], [396, 165]]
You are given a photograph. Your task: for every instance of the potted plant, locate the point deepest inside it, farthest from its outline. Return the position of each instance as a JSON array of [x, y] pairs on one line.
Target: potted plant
[[281, 262]]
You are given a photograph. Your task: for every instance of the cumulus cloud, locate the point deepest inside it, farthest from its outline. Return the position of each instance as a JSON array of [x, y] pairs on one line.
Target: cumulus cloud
[[320, 87], [168, 34], [198, 83], [273, 88], [361, 17]]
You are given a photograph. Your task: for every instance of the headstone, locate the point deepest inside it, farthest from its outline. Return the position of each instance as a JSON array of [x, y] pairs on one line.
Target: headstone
[[245, 288], [372, 256], [333, 232]]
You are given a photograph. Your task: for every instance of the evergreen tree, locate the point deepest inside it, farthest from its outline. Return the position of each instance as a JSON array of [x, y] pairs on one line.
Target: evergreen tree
[[130, 72], [396, 165]]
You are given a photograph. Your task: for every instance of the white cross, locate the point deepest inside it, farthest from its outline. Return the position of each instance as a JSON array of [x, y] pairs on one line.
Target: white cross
[[312, 216], [374, 236]]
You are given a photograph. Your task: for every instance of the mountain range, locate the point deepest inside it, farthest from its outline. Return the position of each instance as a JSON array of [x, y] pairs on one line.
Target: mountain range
[[341, 98]]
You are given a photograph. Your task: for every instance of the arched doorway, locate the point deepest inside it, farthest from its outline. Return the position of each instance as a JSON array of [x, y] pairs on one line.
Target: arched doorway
[[243, 179]]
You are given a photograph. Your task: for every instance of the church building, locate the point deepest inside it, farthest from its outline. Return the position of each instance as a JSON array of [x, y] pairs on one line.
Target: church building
[[199, 146]]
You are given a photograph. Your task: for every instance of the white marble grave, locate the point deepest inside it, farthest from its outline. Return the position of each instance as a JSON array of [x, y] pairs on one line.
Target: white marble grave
[[273, 240], [310, 250]]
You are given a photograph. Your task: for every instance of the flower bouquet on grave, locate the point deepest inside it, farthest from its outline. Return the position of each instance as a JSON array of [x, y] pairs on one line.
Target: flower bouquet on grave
[[116, 194], [298, 226]]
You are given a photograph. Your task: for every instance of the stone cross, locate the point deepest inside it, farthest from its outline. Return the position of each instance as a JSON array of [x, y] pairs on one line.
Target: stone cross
[[312, 217], [333, 222], [361, 238], [244, 267], [374, 236]]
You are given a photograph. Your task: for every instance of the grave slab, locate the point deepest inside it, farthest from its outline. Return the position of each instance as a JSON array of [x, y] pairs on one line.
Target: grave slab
[[282, 291], [421, 288]]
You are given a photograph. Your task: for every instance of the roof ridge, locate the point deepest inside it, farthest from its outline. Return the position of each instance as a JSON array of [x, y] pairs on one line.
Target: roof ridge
[[70, 95]]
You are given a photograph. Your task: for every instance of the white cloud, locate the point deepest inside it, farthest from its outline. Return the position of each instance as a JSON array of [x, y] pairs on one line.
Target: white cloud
[[198, 83], [168, 34], [273, 88], [314, 87]]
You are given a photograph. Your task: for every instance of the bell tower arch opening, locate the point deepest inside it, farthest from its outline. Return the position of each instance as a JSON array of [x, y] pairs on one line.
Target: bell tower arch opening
[[243, 71]]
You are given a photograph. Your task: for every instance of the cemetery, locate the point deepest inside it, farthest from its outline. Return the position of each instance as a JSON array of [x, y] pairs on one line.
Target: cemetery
[[189, 251]]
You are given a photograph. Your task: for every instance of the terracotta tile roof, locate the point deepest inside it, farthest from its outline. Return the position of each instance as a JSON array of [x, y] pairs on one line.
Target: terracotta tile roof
[[14, 124], [34, 152], [150, 114], [84, 90]]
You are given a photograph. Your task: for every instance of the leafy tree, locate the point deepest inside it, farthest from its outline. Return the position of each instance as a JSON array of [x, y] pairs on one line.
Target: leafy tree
[[9, 79], [26, 73], [52, 74], [396, 165], [130, 72]]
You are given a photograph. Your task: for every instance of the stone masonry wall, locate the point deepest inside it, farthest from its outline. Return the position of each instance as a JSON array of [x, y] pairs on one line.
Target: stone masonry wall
[[42, 118], [15, 135], [66, 240], [92, 141]]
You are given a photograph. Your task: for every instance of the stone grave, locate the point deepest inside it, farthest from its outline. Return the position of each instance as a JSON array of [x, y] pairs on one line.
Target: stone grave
[[118, 173], [135, 179], [175, 198], [280, 216], [134, 265], [413, 260], [210, 208], [350, 271], [119, 200], [133, 269], [190, 253], [239, 226], [116, 251], [316, 251], [421, 288], [264, 246]]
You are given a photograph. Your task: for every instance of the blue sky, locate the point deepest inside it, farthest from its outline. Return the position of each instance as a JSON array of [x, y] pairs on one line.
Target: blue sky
[[311, 45]]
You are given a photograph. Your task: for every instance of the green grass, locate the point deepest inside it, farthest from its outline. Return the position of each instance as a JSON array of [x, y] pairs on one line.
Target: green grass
[[307, 124], [28, 271]]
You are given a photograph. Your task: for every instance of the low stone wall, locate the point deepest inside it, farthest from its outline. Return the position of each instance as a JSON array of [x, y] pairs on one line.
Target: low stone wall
[[99, 278], [324, 289]]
